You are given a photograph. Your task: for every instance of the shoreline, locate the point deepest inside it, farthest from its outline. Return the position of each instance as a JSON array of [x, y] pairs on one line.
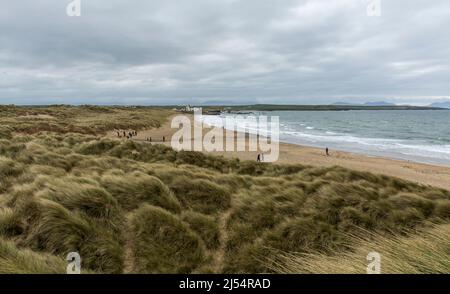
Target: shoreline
[[386, 155], [384, 147], [424, 173]]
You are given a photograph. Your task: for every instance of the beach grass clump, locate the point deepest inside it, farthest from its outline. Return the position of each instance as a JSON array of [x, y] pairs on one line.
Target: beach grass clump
[[24, 261], [201, 195], [50, 227], [10, 149], [10, 168], [443, 209], [9, 222], [148, 153], [205, 226], [251, 168], [305, 233], [204, 160], [417, 252], [78, 194], [5, 132], [405, 200], [133, 189], [162, 243], [96, 147]]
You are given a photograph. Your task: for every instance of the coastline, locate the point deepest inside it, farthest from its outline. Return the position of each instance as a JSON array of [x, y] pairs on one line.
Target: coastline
[[428, 174]]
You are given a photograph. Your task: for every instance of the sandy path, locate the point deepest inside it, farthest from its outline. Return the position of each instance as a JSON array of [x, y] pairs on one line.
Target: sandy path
[[128, 256], [219, 256], [438, 176]]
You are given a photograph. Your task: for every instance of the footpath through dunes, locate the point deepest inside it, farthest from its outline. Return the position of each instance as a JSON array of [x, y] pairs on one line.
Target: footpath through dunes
[[438, 176], [127, 206]]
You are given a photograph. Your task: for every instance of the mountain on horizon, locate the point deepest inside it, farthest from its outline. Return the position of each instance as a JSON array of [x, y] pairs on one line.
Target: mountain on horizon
[[442, 104], [370, 103]]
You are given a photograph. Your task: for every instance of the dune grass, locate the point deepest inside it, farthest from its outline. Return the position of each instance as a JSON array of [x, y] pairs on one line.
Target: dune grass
[[418, 252], [133, 189], [24, 261], [205, 226], [153, 229], [85, 119], [134, 207]]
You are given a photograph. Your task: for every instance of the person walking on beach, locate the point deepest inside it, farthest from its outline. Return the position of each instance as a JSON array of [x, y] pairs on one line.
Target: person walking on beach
[[164, 139], [327, 151]]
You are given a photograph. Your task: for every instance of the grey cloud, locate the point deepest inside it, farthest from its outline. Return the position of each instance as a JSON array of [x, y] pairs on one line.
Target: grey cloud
[[167, 51]]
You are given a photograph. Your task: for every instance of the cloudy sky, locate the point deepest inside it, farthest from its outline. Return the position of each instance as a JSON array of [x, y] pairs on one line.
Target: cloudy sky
[[240, 51]]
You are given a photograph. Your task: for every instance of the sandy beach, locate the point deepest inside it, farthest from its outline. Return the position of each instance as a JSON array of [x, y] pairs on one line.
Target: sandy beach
[[438, 176]]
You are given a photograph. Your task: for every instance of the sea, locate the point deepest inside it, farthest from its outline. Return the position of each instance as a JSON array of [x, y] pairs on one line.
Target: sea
[[413, 135]]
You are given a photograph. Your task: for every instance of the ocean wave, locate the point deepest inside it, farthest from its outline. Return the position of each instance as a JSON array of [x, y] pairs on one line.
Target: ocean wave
[[372, 144], [289, 133]]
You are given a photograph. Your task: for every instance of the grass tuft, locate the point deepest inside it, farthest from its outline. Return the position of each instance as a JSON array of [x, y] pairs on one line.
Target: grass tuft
[[152, 229], [419, 252]]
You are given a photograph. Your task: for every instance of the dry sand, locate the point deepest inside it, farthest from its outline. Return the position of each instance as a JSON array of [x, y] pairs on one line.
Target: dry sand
[[438, 176]]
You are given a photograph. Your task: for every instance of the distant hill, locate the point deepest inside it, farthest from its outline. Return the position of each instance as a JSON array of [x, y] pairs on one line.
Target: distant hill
[[443, 104], [225, 102], [286, 107], [370, 103], [344, 103], [379, 103]]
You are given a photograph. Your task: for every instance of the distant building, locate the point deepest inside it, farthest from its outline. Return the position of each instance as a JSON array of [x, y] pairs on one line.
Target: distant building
[[189, 108]]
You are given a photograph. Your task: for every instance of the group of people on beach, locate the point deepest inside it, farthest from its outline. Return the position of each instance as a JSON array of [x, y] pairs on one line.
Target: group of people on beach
[[129, 134]]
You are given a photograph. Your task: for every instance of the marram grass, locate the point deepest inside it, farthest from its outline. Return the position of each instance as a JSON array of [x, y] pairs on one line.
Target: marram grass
[[419, 252], [134, 207]]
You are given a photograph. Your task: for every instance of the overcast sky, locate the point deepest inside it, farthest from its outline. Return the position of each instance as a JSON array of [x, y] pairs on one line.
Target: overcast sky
[[248, 51]]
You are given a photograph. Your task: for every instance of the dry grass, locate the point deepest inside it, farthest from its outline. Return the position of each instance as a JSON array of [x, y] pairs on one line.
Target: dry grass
[[149, 209], [77, 119], [162, 243], [420, 252], [24, 261]]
